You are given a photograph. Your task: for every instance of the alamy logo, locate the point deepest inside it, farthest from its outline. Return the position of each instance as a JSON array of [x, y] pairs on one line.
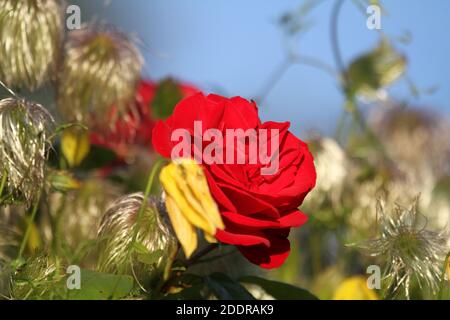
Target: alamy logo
[[374, 17], [73, 20], [241, 146], [74, 279], [374, 280]]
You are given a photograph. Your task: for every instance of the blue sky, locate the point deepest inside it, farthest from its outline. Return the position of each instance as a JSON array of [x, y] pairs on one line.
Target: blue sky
[[232, 46]]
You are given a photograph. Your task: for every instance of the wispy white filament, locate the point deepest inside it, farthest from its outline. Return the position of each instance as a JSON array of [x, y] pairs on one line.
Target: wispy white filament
[[25, 128]]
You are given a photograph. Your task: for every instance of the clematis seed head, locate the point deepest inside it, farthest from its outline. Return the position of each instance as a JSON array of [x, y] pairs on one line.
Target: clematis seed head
[[31, 34], [25, 128], [410, 251], [101, 68], [153, 239]]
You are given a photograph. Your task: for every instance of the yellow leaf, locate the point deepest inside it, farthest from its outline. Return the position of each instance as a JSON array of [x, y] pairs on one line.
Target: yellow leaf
[[75, 145], [354, 288]]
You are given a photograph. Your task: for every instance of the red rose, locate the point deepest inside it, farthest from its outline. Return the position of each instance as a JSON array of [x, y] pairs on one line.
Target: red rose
[[258, 210]]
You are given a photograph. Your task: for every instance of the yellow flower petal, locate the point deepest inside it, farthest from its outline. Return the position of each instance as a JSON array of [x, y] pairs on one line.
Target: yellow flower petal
[[75, 145], [189, 202], [185, 232], [174, 182], [210, 238], [196, 177], [354, 288]]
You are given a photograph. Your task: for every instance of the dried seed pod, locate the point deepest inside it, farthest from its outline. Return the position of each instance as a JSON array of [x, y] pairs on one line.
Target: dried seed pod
[[101, 68], [411, 252], [38, 279], [25, 128], [31, 33], [154, 243]]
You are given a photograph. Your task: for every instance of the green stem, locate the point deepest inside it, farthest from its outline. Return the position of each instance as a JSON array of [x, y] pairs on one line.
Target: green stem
[[10, 91], [3, 183], [56, 220], [196, 257], [143, 206], [334, 25], [360, 121], [29, 226], [444, 270], [141, 211]]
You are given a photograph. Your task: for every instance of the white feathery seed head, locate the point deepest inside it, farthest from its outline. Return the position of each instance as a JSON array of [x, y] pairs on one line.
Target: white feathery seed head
[[101, 68], [154, 236], [31, 34], [25, 128]]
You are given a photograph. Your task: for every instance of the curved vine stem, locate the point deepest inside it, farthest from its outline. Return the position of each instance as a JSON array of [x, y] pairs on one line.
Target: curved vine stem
[[334, 34]]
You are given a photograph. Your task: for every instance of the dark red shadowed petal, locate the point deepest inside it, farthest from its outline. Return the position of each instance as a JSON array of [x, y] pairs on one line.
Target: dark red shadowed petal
[[268, 257]]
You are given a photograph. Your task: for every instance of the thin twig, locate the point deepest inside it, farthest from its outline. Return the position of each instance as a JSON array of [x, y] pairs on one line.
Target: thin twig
[[3, 182], [8, 89], [274, 78], [316, 63], [334, 31]]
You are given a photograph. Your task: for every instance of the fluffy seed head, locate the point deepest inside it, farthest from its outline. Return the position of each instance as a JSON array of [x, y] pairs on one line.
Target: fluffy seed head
[[25, 128], [80, 212], [411, 252], [31, 33], [101, 68], [38, 279], [154, 239], [416, 139]]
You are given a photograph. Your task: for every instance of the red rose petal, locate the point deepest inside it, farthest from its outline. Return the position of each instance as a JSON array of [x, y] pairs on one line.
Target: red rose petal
[[242, 239], [268, 258]]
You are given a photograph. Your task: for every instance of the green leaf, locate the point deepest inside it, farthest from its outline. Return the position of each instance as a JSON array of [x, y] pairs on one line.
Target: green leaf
[[167, 95], [225, 288], [140, 248], [279, 290], [150, 258], [102, 286]]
